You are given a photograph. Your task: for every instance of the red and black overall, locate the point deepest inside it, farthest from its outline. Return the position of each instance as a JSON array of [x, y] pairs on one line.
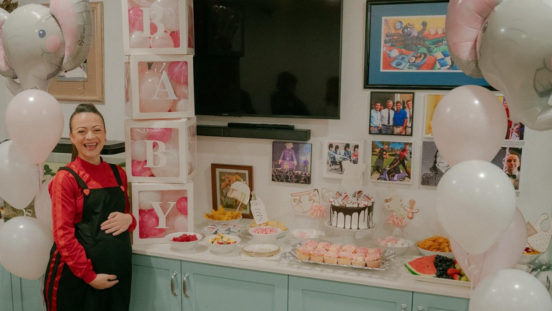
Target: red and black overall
[[80, 254]]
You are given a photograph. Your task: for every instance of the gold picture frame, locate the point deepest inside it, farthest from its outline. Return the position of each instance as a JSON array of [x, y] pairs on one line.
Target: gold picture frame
[[90, 88]]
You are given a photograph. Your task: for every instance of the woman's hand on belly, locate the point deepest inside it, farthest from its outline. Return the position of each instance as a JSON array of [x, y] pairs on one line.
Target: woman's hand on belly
[[103, 281], [116, 223]]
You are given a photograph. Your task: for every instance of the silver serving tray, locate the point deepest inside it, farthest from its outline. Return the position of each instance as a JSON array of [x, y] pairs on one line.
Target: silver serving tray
[[386, 259]]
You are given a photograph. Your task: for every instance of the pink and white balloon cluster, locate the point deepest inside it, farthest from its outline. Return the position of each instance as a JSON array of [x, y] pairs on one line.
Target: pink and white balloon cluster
[[34, 120], [164, 24], [164, 142], [157, 97], [176, 217], [476, 201]]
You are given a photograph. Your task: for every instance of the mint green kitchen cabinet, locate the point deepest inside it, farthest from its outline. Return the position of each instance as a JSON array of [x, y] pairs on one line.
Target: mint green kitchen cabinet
[[26, 294], [212, 288], [427, 302], [156, 284], [319, 295], [6, 300]]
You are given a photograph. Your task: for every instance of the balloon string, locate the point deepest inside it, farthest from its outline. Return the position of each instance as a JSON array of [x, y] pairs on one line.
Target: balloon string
[[470, 269]]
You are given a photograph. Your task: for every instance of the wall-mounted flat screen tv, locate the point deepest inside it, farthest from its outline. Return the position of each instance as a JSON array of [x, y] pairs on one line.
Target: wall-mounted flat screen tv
[[268, 58]]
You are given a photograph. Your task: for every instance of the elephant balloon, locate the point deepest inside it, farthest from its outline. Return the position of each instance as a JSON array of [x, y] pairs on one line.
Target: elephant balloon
[[37, 43], [508, 43]]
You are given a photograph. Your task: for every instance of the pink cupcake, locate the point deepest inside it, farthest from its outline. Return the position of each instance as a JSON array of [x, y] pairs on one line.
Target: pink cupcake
[[330, 257], [358, 260], [373, 260], [311, 243], [336, 247], [375, 251], [350, 248], [362, 250], [304, 252], [318, 255], [324, 245], [345, 258]]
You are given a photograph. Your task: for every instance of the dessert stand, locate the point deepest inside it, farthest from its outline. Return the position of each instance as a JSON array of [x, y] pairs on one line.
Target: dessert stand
[[347, 236]]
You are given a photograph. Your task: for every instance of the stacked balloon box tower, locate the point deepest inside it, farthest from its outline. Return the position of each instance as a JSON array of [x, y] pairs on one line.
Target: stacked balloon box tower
[[161, 136]]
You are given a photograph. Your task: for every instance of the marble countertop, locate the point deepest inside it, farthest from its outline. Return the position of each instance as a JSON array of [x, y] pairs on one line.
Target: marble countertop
[[396, 277]]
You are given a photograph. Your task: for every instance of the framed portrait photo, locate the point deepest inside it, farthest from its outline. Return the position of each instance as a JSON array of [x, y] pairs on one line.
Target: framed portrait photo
[[391, 162], [406, 47], [434, 165], [509, 160], [337, 151], [291, 162], [222, 178], [391, 113]]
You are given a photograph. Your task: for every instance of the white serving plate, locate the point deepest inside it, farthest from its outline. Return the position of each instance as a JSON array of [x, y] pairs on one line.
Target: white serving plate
[[261, 250]]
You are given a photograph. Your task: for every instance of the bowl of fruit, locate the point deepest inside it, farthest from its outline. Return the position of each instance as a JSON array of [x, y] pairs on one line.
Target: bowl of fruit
[[183, 241], [435, 245], [222, 244], [529, 255], [399, 246]]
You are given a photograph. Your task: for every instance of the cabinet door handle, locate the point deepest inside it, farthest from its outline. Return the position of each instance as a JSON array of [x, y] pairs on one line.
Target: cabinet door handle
[[420, 308], [403, 307], [184, 285], [172, 283]]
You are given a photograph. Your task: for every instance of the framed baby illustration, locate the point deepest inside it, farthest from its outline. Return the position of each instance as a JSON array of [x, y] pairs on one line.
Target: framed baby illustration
[[291, 162]]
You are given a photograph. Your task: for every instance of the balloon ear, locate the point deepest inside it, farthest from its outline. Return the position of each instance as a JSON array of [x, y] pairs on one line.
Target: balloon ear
[[75, 19], [5, 68], [465, 20]]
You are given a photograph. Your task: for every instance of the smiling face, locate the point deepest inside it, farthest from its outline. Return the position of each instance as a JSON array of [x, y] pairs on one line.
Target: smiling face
[[512, 163], [88, 136]]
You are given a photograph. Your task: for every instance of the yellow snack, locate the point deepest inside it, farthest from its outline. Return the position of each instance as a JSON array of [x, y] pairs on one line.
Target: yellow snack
[[271, 223], [222, 214], [436, 244]]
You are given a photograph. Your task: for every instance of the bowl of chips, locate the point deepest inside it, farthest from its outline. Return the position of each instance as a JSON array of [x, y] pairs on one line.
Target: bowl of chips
[[221, 215], [435, 245], [275, 224]]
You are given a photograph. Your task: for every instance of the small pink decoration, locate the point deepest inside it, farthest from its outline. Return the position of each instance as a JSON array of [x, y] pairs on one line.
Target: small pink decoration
[[147, 223], [182, 206], [139, 169], [317, 211], [265, 230], [161, 134], [397, 221]]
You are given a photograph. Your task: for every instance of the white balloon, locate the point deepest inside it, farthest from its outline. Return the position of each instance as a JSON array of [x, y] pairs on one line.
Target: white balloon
[[146, 197], [43, 205], [138, 40], [25, 245], [19, 179], [138, 150], [172, 168], [169, 9], [476, 203], [469, 124], [510, 290], [181, 105]]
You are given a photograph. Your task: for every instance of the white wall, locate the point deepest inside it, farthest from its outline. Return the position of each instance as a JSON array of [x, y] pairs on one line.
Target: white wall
[[535, 197]]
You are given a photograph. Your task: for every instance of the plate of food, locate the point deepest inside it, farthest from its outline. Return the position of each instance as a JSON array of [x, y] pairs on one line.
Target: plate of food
[[261, 250], [221, 215], [272, 223], [437, 269], [223, 227], [435, 245]]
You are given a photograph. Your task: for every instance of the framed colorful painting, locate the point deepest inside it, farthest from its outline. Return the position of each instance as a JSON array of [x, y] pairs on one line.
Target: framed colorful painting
[[406, 47], [222, 178], [391, 162]]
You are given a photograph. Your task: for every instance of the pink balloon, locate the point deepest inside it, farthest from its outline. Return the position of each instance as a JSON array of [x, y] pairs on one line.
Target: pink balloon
[[159, 67], [172, 195], [504, 254], [147, 223], [180, 90], [138, 133], [136, 21], [175, 35], [182, 206], [139, 169], [142, 68], [152, 96], [161, 134], [178, 72], [162, 41], [34, 120], [178, 223]]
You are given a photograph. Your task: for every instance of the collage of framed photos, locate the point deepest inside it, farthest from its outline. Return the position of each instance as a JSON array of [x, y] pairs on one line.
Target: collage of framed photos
[[391, 161]]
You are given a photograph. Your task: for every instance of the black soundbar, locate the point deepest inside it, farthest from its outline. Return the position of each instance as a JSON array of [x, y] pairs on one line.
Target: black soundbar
[[262, 126], [253, 132]]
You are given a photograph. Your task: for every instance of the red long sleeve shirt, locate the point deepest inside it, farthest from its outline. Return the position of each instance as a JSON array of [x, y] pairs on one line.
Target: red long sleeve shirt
[[67, 206]]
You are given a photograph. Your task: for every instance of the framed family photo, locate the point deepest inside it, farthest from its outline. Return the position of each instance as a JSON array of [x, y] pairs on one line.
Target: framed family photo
[[391, 113], [434, 165], [406, 47], [222, 178], [391, 162], [509, 160], [514, 131], [291, 162], [337, 151]]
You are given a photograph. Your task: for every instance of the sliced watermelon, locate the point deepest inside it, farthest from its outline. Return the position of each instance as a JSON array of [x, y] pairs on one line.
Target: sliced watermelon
[[422, 266]]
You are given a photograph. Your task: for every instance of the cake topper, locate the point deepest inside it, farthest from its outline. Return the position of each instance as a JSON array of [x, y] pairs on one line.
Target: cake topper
[[240, 192], [352, 176]]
